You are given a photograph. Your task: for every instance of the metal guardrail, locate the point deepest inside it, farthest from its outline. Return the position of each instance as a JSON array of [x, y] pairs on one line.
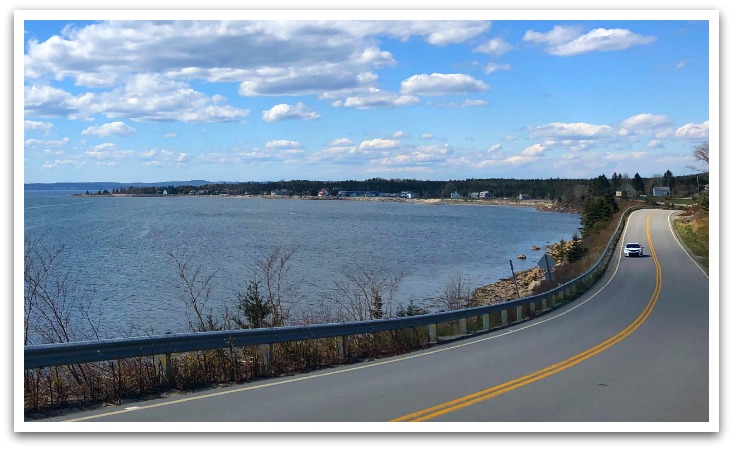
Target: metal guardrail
[[49, 355]]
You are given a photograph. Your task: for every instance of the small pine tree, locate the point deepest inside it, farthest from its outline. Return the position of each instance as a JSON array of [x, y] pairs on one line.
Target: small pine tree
[[254, 307], [575, 249]]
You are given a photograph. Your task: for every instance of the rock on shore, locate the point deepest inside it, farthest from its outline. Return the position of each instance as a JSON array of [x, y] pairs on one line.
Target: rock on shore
[[504, 289]]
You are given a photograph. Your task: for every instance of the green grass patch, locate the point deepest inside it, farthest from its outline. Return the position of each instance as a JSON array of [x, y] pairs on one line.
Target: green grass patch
[[697, 239], [681, 201]]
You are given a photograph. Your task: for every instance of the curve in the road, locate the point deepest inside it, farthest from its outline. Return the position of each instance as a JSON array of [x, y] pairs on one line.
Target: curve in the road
[[481, 396]]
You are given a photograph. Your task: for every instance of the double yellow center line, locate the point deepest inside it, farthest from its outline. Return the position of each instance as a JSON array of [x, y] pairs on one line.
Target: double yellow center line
[[463, 402]]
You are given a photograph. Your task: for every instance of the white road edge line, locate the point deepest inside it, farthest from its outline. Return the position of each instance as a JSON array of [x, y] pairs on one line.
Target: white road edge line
[[674, 235]]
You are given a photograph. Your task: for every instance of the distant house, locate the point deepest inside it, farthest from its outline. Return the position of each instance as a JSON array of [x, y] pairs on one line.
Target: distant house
[[523, 197], [280, 192], [324, 193], [660, 191], [455, 194], [407, 194], [473, 195], [165, 192], [626, 190], [485, 194]]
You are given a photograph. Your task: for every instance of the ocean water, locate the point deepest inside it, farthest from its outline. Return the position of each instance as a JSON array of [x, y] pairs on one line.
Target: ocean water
[[120, 247]]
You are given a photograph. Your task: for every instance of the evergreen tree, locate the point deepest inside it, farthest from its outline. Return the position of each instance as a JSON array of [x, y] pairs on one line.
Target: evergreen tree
[[638, 183], [669, 179], [598, 186]]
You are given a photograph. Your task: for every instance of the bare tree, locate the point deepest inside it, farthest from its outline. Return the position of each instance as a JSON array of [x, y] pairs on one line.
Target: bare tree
[[278, 290], [195, 286], [701, 152], [365, 295], [457, 293], [57, 307]]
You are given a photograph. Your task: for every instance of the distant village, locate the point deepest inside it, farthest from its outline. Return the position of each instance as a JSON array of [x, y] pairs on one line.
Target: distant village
[[493, 190]]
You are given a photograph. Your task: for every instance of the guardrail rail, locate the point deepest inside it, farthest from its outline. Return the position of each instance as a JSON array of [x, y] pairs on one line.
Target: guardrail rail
[[59, 354]]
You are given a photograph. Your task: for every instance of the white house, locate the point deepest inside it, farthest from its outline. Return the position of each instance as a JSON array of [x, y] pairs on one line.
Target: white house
[[484, 194], [455, 194], [523, 196], [660, 191]]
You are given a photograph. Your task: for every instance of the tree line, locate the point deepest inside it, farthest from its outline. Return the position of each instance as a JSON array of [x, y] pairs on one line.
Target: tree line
[[559, 189]]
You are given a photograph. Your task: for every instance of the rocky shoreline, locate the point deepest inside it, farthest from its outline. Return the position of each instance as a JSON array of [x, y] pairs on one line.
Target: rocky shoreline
[[528, 281]]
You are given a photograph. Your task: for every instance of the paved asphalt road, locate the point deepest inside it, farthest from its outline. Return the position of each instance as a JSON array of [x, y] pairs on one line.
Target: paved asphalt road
[[634, 348]]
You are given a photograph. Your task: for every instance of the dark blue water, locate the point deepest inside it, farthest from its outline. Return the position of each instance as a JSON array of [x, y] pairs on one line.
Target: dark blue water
[[120, 246]]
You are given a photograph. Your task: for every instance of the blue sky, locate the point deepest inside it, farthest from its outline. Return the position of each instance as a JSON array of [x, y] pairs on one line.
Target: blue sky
[[330, 99]]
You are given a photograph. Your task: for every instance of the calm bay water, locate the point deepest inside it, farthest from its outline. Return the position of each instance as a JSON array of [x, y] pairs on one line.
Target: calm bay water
[[120, 246]]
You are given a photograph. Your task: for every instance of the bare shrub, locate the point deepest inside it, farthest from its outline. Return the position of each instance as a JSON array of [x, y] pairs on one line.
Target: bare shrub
[[457, 293], [364, 295], [195, 285], [278, 290]]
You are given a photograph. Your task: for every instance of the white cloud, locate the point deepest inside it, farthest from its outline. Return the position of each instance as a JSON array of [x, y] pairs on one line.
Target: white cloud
[[60, 163], [578, 130], [376, 98], [535, 150], [282, 144], [695, 131], [681, 64], [379, 144], [493, 67], [448, 33], [468, 103], [558, 35], [496, 46], [399, 135], [645, 121], [144, 97], [109, 151], [654, 143], [341, 141], [426, 136], [32, 125], [170, 135], [420, 156], [601, 39], [109, 129], [566, 41], [510, 138], [32, 143], [47, 101], [494, 148], [442, 84], [284, 112]]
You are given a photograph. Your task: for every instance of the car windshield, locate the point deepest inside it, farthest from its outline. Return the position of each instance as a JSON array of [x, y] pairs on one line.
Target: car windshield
[[633, 245]]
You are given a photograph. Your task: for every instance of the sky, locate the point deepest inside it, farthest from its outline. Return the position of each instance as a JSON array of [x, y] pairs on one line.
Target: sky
[[326, 99]]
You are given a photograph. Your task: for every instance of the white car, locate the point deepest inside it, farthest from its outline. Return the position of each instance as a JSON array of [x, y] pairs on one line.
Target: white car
[[633, 249]]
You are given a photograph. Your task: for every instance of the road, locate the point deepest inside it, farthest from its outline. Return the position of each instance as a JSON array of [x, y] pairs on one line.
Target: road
[[635, 348]]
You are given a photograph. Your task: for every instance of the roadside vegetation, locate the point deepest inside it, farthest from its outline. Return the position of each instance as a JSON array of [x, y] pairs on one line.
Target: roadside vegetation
[[59, 308], [693, 228]]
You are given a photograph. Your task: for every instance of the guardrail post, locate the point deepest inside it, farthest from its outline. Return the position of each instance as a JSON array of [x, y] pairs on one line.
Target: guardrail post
[[341, 344], [504, 318], [266, 352], [519, 313], [163, 367], [433, 333], [462, 327], [544, 304], [485, 325], [532, 307]]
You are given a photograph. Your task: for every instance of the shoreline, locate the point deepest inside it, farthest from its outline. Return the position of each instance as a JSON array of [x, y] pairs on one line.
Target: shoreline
[[539, 204]]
